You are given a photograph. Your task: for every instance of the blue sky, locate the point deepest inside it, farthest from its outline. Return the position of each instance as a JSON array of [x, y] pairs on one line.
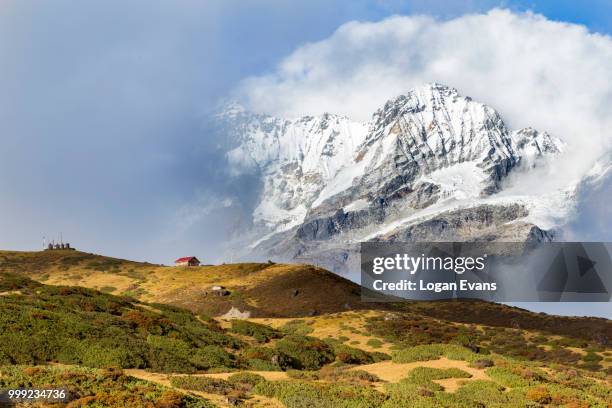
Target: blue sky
[[102, 107]]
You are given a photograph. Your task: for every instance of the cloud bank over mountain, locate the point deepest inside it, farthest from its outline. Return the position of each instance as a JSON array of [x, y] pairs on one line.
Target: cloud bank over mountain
[[549, 75]]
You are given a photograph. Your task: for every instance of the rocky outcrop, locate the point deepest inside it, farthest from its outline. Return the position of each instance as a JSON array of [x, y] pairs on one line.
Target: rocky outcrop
[[484, 222]]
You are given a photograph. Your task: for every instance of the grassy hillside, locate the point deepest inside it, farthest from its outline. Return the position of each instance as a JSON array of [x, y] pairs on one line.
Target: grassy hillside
[[118, 351], [269, 290], [72, 325], [262, 289]]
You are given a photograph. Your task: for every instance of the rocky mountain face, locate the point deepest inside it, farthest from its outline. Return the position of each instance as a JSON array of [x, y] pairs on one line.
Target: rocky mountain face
[[429, 165]]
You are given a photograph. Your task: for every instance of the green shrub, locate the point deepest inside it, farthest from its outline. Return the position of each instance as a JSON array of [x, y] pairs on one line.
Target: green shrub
[[592, 357], [212, 356], [483, 363], [333, 374], [466, 338], [409, 390], [305, 352], [303, 375], [539, 395], [455, 352], [433, 352], [424, 374], [477, 393], [297, 326], [107, 353], [203, 384], [420, 381], [266, 359], [380, 356], [244, 382], [262, 365], [99, 388], [298, 394], [361, 375], [374, 343], [201, 358], [351, 355], [107, 289], [258, 331], [591, 366], [486, 393], [268, 388], [418, 353], [510, 378], [348, 375]]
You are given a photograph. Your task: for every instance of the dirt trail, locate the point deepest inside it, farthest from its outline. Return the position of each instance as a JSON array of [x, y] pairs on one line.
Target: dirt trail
[[164, 379], [10, 292], [268, 375], [394, 372], [257, 401]]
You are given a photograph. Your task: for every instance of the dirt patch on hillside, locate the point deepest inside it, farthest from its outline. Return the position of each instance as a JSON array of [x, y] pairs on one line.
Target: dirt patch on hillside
[[394, 372]]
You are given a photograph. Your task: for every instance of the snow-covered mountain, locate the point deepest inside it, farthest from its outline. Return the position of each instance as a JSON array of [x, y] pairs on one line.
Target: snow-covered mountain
[[430, 165]]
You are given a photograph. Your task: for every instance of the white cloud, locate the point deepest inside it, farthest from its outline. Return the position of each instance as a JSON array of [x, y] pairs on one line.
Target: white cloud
[[550, 75]]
